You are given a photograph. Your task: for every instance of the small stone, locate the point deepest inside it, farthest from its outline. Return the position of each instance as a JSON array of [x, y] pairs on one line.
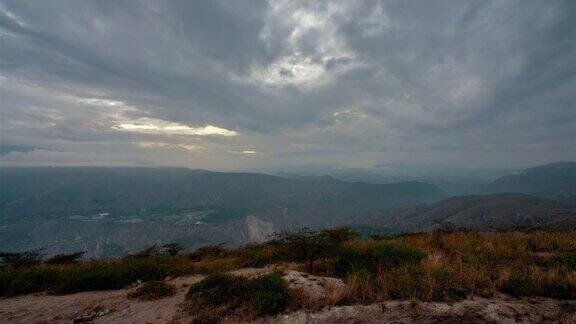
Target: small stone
[[84, 318]]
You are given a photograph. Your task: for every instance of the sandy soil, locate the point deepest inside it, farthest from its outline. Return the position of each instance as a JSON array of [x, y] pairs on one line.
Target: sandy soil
[[44, 308], [114, 307], [478, 310], [63, 309]]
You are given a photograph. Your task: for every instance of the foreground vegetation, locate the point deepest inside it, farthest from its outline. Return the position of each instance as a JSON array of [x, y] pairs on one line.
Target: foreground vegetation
[[441, 266], [151, 290], [224, 295]]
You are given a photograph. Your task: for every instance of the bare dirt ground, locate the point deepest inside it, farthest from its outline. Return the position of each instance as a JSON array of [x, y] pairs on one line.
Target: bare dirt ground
[[477, 310], [114, 307], [118, 309]]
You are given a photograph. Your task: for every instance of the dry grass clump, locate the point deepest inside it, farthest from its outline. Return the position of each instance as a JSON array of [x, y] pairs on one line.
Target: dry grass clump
[[454, 265], [152, 290], [211, 265], [336, 295]]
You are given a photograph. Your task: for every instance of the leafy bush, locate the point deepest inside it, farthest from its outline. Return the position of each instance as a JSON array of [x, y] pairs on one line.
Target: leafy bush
[[91, 275], [216, 288], [270, 294], [147, 252], [28, 280], [258, 255], [153, 290], [21, 259], [172, 249], [567, 259], [445, 287], [307, 246], [107, 276], [223, 295], [519, 285], [560, 289], [210, 251], [65, 258], [259, 259], [375, 255]]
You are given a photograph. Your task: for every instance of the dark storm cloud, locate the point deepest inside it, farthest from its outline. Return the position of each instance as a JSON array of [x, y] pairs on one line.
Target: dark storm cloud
[[249, 84]]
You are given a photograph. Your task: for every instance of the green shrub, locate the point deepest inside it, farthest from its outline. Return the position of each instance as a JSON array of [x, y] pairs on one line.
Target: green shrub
[[65, 258], [259, 259], [85, 276], [147, 252], [407, 282], [216, 288], [567, 259], [445, 286], [519, 285], [172, 249], [26, 281], [559, 289], [223, 295], [256, 255], [210, 251], [375, 256], [21, 259], [151, 290], [270, 294], [107, 276]]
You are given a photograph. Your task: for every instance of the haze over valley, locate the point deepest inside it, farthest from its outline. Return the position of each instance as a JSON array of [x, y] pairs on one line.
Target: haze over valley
[[110, 212]]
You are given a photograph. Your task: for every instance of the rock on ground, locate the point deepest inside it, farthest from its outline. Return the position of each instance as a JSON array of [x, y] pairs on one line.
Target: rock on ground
[[313, 286]]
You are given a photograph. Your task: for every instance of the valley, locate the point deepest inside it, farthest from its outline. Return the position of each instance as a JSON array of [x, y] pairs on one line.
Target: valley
[[110, 212]]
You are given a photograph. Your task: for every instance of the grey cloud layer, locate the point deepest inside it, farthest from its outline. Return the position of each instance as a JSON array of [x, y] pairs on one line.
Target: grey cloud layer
[[338, 83]]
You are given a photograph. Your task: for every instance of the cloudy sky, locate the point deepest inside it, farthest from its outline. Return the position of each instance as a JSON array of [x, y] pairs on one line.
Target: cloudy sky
[[255, 85]]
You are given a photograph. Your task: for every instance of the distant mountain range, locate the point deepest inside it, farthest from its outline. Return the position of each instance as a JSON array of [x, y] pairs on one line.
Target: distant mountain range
[[476, 212], [111, 211], [107, 210], [556, 181]]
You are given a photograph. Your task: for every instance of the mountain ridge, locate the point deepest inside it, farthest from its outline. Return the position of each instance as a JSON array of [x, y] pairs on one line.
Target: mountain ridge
[[107, 211]]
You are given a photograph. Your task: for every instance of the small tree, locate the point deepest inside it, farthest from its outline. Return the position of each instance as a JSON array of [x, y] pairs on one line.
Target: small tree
[[65, 258], [173, 248], [307, 245], [303, 245], [340, 234], [21, 259], [147, 252], [207, 252]]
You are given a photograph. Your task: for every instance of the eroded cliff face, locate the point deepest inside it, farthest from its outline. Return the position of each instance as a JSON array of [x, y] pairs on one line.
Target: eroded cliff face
[[258, 230]]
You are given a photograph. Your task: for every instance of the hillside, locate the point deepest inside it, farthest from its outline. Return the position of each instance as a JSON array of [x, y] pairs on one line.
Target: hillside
[[108, 211], [457, 277], [555, 181], [479, 212]]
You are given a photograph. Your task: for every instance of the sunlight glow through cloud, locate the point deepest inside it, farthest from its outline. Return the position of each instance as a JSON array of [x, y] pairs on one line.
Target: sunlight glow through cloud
[[158, 126], [247, 152]]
